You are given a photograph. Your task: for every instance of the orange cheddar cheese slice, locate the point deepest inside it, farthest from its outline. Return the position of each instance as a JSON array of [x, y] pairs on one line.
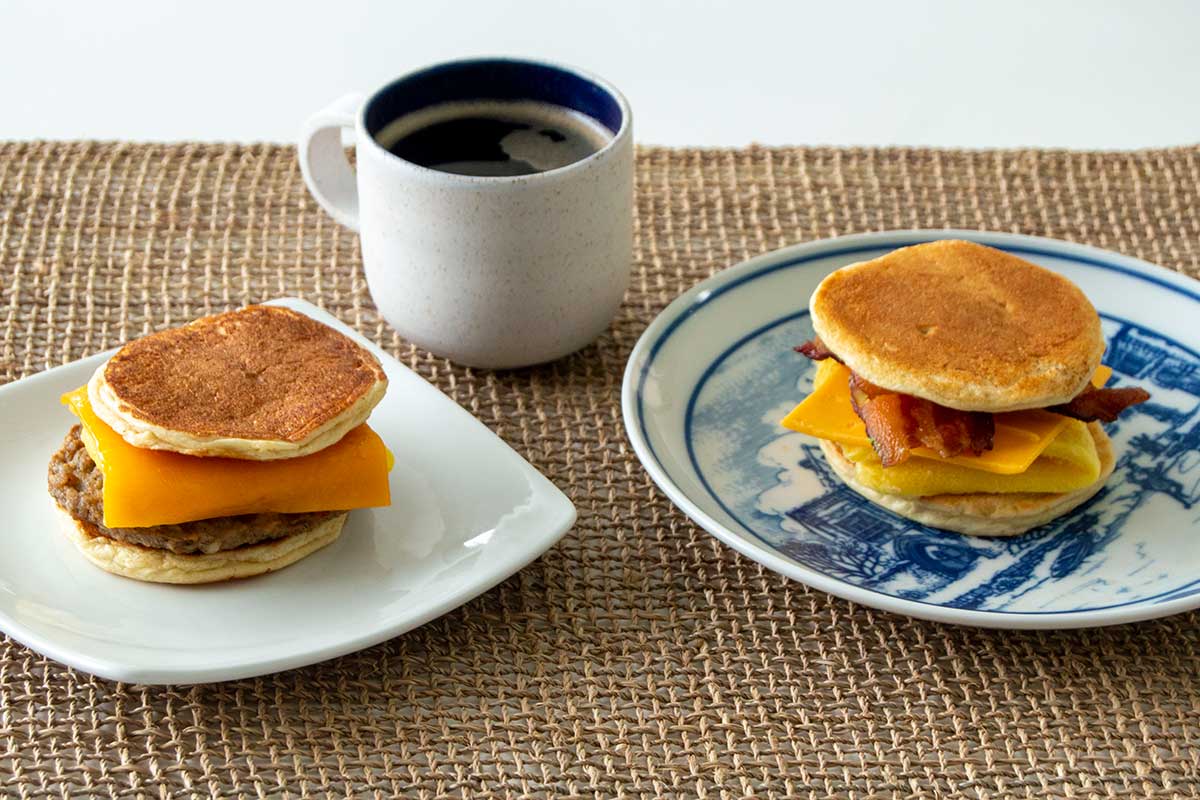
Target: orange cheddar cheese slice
[[1021, 436], [157, 487]]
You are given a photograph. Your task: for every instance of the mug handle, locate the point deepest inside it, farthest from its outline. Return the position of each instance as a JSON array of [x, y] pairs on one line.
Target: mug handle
[[323, 162]]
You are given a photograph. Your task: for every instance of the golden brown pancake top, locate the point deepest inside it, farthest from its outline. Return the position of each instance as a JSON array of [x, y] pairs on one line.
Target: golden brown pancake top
[[962, 324], [262, 372]]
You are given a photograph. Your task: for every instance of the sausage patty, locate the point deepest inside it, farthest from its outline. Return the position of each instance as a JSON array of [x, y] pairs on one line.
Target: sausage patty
[[77, 484]]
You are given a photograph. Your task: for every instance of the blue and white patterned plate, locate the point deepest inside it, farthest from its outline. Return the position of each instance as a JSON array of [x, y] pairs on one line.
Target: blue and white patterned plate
[[712, 376]]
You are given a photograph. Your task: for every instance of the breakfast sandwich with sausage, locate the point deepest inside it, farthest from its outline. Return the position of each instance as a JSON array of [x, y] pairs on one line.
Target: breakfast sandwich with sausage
[[229, 447]]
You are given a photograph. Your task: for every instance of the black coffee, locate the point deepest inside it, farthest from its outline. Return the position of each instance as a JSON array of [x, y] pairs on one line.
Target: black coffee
[[494, 138]]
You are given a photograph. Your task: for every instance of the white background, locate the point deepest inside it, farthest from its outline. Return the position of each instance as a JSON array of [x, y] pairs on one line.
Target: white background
[[1101, 74]]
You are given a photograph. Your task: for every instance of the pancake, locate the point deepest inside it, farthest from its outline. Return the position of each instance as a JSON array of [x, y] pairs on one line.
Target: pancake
[[259, 383], [163, 566], [980, 514], [963, 325]]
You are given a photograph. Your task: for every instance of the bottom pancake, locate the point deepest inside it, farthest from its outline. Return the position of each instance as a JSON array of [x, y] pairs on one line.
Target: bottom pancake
[[202, 551], [980, 514], [163, 566]]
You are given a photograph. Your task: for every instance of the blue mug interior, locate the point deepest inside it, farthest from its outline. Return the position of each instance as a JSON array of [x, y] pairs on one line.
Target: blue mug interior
[[492, 79]]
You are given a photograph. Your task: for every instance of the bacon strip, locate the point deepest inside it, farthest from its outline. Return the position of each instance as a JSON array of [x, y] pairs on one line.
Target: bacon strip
[[883, 414], [1105, 405], [896, 423], [815, 349]]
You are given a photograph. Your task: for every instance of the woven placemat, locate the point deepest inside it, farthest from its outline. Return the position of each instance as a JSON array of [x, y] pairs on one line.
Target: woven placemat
[[639, 657]]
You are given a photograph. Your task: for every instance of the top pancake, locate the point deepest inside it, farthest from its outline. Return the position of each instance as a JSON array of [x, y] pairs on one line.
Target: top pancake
[[260, 383], [961, 324]]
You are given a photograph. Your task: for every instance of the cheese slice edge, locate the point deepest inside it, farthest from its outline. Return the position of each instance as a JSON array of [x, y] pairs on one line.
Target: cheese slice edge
[[1021, 436], [156, 487]]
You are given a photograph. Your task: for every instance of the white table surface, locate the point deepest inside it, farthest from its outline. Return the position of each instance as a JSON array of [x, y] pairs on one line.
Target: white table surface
[[1102, 74]]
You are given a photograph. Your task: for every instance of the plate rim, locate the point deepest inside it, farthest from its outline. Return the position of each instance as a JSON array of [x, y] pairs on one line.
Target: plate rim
[[560, 508], [678, 310]]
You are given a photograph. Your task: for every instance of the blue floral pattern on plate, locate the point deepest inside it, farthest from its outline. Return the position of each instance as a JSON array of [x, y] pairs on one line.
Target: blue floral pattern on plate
[[712, 376], [778, 485]]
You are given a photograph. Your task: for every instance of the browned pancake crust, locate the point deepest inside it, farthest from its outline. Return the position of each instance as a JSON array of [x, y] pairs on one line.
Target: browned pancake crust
[[962, 324], [261, 372]]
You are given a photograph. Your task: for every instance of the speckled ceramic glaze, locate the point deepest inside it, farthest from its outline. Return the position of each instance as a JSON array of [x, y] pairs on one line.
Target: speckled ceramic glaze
[[489, 271]]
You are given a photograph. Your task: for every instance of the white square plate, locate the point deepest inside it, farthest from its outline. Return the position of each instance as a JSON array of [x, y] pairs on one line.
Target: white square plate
[[466, 513]]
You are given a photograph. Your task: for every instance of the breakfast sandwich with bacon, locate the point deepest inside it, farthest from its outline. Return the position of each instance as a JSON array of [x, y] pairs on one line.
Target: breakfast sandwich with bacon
[[961, 386]]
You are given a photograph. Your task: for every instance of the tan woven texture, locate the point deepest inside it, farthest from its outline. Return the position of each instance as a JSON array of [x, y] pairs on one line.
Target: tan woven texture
[[639, 657]]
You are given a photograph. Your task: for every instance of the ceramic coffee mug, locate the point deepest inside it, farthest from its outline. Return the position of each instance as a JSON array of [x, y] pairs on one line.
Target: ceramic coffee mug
[[488, 271]]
